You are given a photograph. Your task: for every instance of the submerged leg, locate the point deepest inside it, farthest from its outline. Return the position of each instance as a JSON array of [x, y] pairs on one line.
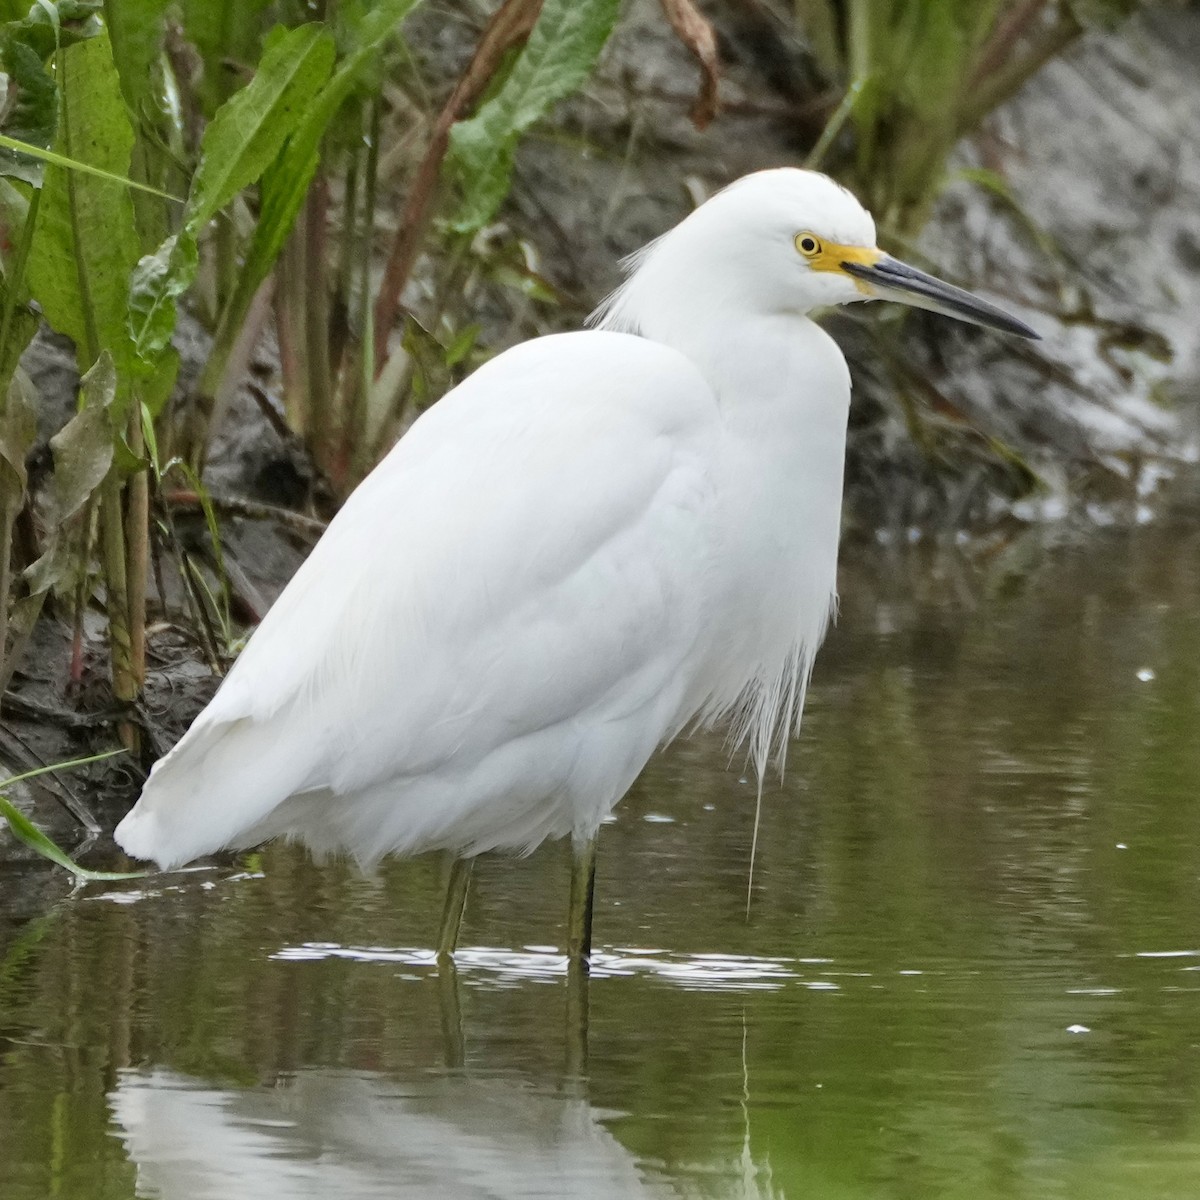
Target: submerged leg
[[577, 1019], [583, 886], [453, 1047], [456, 902]]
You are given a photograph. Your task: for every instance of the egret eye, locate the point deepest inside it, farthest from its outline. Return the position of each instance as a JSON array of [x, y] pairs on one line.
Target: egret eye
[[808, 245]]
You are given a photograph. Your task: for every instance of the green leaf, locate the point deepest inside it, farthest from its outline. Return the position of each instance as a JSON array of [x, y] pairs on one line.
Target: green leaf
[[286, 181], [244, 137], [561, 51], [85, 243], [48, 27], [248, 131], [462, 344], [83, 455], [30, 111], [31, 105], [27, 832], [18, 431], [83, 168], [83, 448], [135, 29], [157, 282], [225, 32]]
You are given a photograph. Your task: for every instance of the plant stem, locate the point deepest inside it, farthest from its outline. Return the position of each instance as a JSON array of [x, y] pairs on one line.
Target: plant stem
[[999, 47], [137, 542], [834, 126], [316, 320], [15, 275], [511, 25], [290, 329], [112, 541], [236, 336], [1008, 79], [361, 357], [7, 521], [225, 249]]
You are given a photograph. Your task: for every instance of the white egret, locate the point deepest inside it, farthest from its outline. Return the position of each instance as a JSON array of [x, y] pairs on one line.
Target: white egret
[[598, 540]]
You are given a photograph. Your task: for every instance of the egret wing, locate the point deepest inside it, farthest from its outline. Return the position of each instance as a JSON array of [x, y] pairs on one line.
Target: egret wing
[[524, 571]]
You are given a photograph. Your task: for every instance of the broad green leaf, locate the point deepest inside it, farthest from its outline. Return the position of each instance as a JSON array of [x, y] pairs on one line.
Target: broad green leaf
[[85, 243], [135, 29], [31, 105], [286, 181], [48, 26], [243, 138], [561, 51], [248, 131]]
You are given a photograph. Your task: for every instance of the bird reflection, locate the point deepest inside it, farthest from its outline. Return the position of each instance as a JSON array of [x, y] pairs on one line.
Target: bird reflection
[[340, 1133]]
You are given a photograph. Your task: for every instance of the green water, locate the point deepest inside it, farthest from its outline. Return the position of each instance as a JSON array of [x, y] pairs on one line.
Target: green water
[[971, 968]]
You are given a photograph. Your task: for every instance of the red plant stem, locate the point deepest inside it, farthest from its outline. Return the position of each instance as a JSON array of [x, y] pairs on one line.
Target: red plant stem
[[320, 380], [1004, 37], [512, 24]]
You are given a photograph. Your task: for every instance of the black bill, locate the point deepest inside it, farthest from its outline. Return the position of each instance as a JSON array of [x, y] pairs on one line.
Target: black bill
[[891, 279]]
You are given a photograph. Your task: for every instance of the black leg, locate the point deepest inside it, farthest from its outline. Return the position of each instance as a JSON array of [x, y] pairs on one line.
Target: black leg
[[583, 887], [453, 1047], [456, 902], [577, 1018]]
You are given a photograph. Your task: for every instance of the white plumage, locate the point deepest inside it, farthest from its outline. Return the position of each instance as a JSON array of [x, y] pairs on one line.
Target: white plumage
[[595, 541]]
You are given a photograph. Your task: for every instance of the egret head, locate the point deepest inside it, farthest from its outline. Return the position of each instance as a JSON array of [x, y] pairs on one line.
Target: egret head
[[782, 241]]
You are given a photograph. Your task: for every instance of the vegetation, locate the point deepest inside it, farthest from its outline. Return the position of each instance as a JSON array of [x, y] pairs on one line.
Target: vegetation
[[914, 78], [225, 156], [27, 833]]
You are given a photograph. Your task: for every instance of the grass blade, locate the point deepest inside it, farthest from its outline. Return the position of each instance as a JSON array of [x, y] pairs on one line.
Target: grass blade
[[72, 164], [25, 831]]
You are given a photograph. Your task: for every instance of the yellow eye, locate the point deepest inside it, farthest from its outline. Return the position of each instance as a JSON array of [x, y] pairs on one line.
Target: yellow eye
[[808, 245]]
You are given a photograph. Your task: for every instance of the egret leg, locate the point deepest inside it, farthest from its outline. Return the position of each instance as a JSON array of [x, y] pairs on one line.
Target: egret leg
[[456, 902], [453, 1043], [583, 887], [577, 1018]]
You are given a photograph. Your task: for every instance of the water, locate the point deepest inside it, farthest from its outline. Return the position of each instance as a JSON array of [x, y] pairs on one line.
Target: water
[[971, 969]]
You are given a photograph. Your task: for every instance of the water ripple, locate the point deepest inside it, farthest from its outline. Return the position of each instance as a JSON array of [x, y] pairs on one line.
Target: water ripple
[[708, 972]]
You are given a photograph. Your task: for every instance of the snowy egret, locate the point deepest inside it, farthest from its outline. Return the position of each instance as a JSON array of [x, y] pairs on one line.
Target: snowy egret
[[596, 541]]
